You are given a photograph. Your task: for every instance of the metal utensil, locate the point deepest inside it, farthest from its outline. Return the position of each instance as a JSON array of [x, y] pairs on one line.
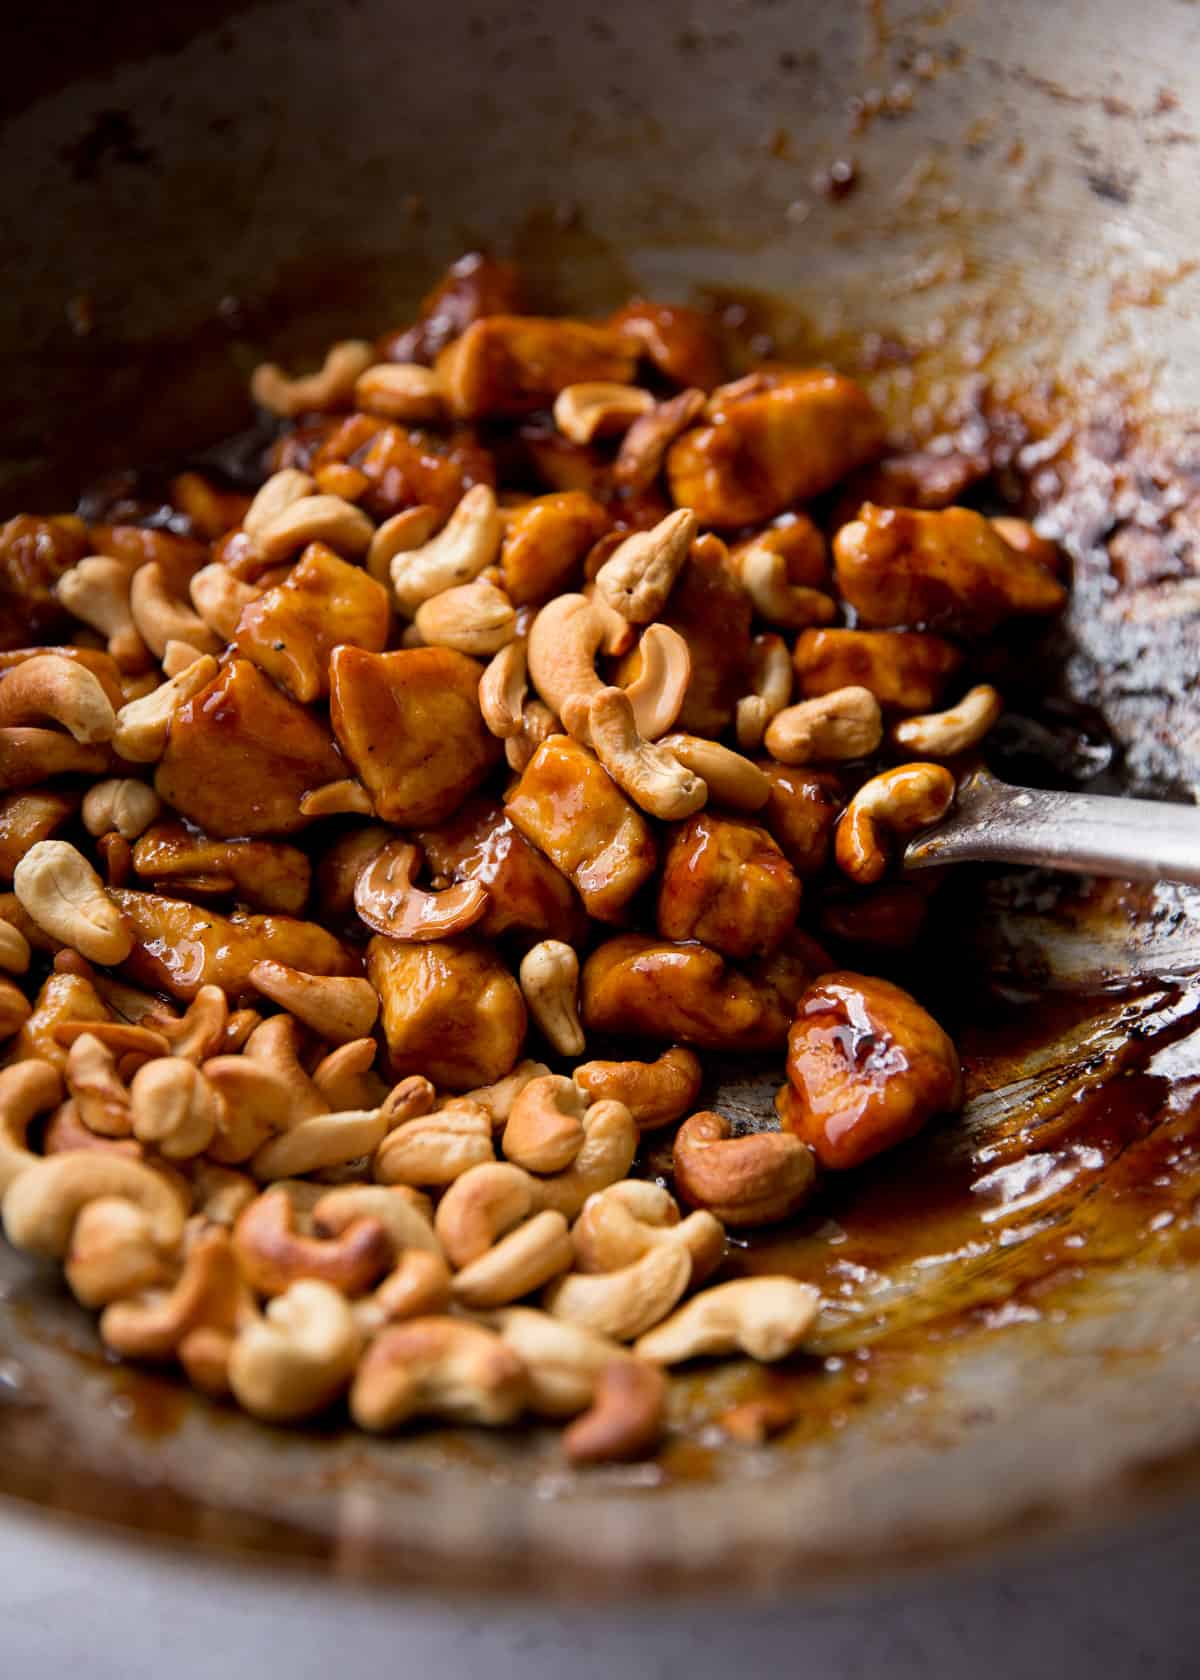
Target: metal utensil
[[1082, 833]]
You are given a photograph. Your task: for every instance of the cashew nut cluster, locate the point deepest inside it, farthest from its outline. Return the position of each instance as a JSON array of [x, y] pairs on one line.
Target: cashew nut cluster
[[392, 847]]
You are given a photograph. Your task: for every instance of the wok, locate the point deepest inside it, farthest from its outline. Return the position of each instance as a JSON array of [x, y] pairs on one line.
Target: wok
[[987, 211]]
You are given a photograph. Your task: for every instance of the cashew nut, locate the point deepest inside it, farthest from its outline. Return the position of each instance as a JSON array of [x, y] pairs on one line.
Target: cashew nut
[[564, 1361], [435, 1149], [549, 976], [42, 1203], [100, 1097], [644, 446], [545, 1131], [344, 798], [27, 1089], [275, 497], [112, 1253], [655, 1093], [404, 531], [161, 617], [498, 1098], [898, 801], [598, 409], [96, 591], [765, 1317], [755, 1179], [328, 519], [731, 779], [418, 1284], [624, 1303], [609, 1145], [337, 1006], [658, 691], [957, 730], [438, 1367], [50, 686], [220, 598], [256, 1100], [474, 618], [345, 1078], [323, 1140], [143, 725], [208, 1292], [177, 656], [469, 541], [772, 676], [845, 723], [538, 723], [618, 1225], [120, 803], [522, 1261], [200, 1031], [652, 777], [502, 690], [387, 900], [626, 1418], [481, 1206], [58, 889], [174, 1108], [637, 579], [764, 576], [403, 1213], [14, 949], [564, 640], [332, 386], [273, 1254], [402, 391], [297, 1359]]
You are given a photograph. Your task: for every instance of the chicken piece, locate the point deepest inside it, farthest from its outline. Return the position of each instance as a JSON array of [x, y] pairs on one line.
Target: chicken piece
[[775, 438], [34, 554], [63, 998], [513, 364], [528, 894], [726, 882], [888, 917], [410, 724], [264, 873], [290, 631], [651, 988], [26, 818], [568, 805], [181, 947], [406, 467], [340, 865], [801, 814], [474, 286], [178, 558], [899, 566], [920, 478], [867, 1067], [211, 508], [712, 612], [681, 342], [905, 669], [450, 1010], [798, 539], [563, 466], [240, 756], [102, 665], [545, 542]]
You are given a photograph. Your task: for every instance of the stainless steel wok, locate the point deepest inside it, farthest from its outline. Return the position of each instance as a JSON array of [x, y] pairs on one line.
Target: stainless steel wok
[[971, 205]]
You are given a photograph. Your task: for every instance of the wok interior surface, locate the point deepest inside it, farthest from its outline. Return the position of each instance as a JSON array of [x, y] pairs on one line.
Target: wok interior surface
[[1009, 1336]]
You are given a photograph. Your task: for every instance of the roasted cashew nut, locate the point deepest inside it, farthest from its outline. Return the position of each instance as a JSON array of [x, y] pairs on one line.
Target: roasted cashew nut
[[599, 408], [481, 1206], [625, 1303], [764, 576], [63, 691], [99, 1093], [658, 691], [610, 1141], [772, 676], [655, 1093], [899, 802], [438, 1367], [638, 577], [545, 1133], [403, 1213], [112, 1253], [209, 1291], [564, 640], [220, 598], [626, 1418], [336, 1006], [956, 730], [297, 1359], [274, 497], [564, 1361], [498, 1098], [143, 725], [323, 1140], [731, 779], [469, 541], [476, 618], [845, 723], [42, 1203], [162, 617], [345, 1078], [121, 804], [321, 518], [618, 1225], [766, 1317], [273, 1253], [549, 976], [387, 900], [96, 591], [173, 1107], [332, 386], [755, 1179], [403, 391], [58, 888], [651, 776], [522, 1261], [435, 1149], [27, 1089], [502, 690]]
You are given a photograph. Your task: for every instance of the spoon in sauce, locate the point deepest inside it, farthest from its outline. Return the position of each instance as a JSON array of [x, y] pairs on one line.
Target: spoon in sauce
[[1082, 833]]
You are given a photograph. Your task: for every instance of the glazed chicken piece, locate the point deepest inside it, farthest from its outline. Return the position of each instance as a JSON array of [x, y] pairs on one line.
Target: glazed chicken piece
[[867, 1067], [801, 813], [651, 988], [509, 365], [34, 554], [680, 342], [63, 998], [569, 807], [410, 724], [290, 631], [528, 893], [178, 558], [905, 669], [240, 756], [407, 467], [264, 873], [474, 286], [774, 438], [726, 883], [26, 818], [450, 1010], [545, 541], [181, 947], [712, 612], [899, 566]]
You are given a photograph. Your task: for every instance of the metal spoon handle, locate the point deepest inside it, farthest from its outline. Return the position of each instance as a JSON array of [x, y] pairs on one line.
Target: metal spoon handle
[[1084, 833]]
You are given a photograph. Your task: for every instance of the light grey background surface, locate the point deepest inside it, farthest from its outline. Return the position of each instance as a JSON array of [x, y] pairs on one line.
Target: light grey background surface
[[73, 1602]]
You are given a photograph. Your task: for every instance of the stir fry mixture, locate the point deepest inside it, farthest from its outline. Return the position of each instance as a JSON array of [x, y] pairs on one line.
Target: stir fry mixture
[[388, 848]]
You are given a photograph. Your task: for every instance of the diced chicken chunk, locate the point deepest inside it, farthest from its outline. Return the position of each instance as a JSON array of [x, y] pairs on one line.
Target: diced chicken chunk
[[450, 1010], [727, 883]]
